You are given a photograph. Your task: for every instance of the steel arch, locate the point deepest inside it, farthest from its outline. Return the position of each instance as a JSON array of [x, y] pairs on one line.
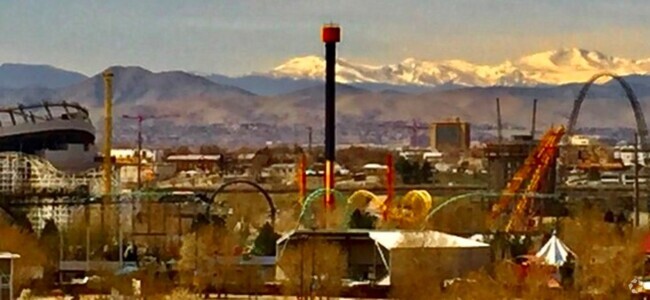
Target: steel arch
[[267, 197], [642, 127]]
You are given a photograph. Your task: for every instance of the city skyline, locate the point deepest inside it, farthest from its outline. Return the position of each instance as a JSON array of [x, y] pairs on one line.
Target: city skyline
[[237, 38]]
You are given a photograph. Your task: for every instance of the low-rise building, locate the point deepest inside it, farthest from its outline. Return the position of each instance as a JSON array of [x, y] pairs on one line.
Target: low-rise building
[[625, 154], [129, 156], [385, 257], [282, 170], [580, 140], [375, 169], [188, 162]]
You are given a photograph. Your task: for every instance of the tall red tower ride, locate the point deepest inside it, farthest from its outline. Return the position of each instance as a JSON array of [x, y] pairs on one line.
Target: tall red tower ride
[[331, 35]]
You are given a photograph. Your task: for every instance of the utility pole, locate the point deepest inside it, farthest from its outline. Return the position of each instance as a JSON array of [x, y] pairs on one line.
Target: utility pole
[[108, 140], [138, 155], [415, 129], [108, 130], [534, 119], [499, 125], [636, 180], [309, 132]]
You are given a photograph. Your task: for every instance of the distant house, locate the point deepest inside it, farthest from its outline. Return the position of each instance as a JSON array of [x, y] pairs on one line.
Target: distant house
[[375, 169], [282, 170], [318, 169], [432, 157], [126, 161], [189, 162], [625, 154], [130, 156], [581, 140], [243, 163]]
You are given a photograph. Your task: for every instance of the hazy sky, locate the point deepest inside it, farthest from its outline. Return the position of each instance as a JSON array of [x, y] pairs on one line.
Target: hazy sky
[[238, 37]]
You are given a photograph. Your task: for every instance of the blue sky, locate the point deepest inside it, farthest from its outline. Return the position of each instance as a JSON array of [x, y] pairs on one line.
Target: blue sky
[[238, 37]]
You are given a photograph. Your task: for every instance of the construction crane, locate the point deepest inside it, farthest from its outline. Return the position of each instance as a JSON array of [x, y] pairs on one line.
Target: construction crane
[[516, 198], [140, 119], [415, 128]]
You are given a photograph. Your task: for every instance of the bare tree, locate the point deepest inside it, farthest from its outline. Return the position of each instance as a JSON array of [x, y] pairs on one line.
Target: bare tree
[[313, 268], [32, 258], [608, 255]]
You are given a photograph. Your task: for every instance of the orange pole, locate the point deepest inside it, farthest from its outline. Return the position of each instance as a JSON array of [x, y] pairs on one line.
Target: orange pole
[[390, 184], [302, 183], [329, 184]]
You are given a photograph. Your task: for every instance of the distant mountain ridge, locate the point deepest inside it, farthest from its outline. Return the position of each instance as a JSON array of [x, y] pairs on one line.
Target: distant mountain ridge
[[567, 65], [18, 76], [549, 68], [273, 98], [133, 84]]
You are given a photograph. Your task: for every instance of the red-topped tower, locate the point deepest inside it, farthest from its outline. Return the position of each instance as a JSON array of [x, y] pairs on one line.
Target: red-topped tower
[[331, 35]]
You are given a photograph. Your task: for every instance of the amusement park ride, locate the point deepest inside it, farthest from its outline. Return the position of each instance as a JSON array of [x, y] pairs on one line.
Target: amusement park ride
[[514, 211], [529, 179], [413, 209]]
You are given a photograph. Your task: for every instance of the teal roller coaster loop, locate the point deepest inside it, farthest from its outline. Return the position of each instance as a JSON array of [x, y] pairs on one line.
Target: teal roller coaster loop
[[307, 215], [447, 202], [485, 194]]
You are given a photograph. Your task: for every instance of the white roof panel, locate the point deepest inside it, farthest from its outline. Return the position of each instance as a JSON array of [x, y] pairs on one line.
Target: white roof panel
[[399, 239], [193, 157], [422, 239], [8, 255]]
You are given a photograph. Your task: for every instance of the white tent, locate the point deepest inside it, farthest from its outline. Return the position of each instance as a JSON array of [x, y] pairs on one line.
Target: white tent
[[554, 252]]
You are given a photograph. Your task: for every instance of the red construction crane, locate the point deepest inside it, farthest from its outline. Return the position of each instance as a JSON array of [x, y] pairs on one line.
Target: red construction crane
[[140, 119]]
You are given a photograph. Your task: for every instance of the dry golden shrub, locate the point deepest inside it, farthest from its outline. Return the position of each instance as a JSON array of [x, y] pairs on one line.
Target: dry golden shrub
[[15, 240], [416, 277], [86, 223], [313, 267], [154, 284], [183, 294], [199, 253], [608, 255], [503, 281], [109, 281], [459, 218], [287, 219]]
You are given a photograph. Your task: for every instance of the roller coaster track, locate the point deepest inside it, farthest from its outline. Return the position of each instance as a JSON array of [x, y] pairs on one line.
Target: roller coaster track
[[529, 178], [26, 175], [407, 211], [642, 127]]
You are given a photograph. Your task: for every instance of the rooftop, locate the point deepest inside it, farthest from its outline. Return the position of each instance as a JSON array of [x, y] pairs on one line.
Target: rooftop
[[392, 239], [193, 157], [8, 255]]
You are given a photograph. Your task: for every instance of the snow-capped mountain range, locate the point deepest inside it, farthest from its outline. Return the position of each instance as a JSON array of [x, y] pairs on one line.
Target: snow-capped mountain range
[[556, 67]]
